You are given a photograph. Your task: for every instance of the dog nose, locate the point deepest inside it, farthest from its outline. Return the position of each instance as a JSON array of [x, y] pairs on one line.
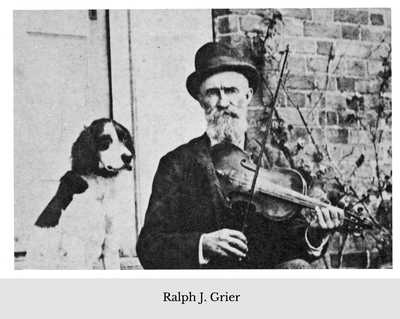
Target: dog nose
[[126, 158]]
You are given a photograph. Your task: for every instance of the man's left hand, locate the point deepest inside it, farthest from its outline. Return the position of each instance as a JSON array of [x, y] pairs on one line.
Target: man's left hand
[[325, 221], [328, 218]]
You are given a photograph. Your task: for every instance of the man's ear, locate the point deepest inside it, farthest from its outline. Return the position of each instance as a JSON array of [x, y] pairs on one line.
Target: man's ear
[[249, 94]]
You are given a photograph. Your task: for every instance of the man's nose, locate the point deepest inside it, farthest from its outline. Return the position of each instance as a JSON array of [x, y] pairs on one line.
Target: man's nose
[[223, 101]]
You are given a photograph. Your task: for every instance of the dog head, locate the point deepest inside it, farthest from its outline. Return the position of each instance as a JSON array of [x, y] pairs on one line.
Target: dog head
[[103, 148]]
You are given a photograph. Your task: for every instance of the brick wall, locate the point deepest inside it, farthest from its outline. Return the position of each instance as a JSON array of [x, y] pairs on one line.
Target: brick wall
[[333, 76]]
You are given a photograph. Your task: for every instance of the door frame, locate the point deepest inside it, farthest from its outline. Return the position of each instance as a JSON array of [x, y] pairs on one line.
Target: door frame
[[123, 107]]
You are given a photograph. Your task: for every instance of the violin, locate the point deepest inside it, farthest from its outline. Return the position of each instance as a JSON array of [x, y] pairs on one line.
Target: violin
[[278, 193]]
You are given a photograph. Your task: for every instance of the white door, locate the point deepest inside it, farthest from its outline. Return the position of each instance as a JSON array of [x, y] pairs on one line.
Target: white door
[[61, 84]]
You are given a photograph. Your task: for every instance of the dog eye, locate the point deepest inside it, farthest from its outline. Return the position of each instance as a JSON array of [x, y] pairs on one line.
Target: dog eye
[[103, 143]]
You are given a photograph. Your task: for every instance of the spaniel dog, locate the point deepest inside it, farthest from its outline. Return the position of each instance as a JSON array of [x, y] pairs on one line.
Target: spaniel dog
[[79, 228]]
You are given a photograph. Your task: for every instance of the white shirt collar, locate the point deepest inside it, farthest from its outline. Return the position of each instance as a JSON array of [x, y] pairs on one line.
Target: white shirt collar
[[214, 141]]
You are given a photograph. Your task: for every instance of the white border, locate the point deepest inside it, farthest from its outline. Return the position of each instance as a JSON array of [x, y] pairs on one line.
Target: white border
[[7, 181]]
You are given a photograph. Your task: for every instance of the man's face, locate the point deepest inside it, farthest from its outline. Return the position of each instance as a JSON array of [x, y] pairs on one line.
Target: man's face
[[224, 97]]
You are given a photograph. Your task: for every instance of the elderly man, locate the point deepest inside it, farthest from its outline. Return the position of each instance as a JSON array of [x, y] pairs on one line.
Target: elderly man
[[189, 223]]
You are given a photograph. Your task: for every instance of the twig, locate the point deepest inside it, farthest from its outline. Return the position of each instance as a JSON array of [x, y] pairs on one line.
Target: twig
[[377, 170], [303, 120], [330, 58], [340, 252], [333, 163], [347, 155], [375, 139]]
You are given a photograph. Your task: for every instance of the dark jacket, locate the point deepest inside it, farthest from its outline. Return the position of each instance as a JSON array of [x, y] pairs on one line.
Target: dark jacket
[[187, 200]]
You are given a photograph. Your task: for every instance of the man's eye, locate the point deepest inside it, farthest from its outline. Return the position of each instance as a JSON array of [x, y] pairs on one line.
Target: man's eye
[[212, 92], [230, 90]]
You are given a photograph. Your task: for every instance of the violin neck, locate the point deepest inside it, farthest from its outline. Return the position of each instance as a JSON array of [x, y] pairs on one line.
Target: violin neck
[[290, 195]]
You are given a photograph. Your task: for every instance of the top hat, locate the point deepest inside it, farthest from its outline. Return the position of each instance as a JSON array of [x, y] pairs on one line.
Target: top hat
[[215, 57]]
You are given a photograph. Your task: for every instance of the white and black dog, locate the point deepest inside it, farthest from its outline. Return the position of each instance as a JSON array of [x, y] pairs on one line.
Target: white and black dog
[[79, 228]]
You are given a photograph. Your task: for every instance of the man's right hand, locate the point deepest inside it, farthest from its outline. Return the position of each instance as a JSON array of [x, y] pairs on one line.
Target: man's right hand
[[225, 243]]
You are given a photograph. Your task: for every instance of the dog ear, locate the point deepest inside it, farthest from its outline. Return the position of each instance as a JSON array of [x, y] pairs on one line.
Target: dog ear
[[125, 137], [84, 153]]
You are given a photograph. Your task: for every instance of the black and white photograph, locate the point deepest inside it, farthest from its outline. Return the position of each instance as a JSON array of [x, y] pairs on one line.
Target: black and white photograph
[[203, 139]]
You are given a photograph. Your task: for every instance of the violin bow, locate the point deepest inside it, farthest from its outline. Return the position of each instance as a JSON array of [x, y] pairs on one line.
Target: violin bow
[[264, 140]]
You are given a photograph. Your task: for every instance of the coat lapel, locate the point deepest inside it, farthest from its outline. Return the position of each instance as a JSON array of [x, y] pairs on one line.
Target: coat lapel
[[201, 153]]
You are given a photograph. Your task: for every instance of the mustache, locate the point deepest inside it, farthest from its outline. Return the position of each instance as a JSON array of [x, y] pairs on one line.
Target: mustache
[[230, 113], [220, 113]]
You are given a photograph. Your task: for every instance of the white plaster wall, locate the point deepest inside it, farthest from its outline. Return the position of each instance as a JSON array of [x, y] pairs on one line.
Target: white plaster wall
[[164, 43]]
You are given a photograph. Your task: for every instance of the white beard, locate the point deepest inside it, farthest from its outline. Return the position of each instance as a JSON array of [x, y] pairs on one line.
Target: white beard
[[225, 126]]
